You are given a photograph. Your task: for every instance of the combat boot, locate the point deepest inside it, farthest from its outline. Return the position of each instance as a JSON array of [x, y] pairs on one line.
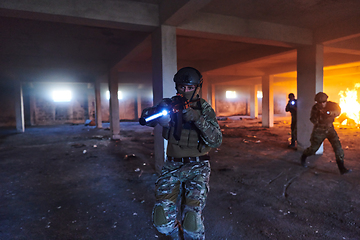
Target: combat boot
[[292, 145], [342, 168]]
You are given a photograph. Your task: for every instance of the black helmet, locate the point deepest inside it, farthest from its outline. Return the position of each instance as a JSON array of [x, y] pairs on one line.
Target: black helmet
[[188, 76], [321, 97]]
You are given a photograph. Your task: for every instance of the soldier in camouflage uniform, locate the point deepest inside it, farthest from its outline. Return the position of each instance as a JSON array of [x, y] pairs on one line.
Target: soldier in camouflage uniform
[[322, 116], [291, 107], [183, 185]]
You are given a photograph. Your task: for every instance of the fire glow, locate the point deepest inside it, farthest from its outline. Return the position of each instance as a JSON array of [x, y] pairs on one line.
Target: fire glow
[[350, 107]]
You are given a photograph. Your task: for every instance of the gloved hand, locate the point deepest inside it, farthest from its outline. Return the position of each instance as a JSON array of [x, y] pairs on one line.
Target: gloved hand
[[191, 115], [164, 120]]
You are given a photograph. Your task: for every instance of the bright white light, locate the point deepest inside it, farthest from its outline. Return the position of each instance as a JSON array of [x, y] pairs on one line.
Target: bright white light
[[61, 96], [259, 94], [160, 114], [120, 96], [230, 94]]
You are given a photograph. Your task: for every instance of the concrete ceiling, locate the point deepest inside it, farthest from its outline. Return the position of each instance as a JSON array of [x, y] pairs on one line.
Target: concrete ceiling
[[232, 39], [310, 14]]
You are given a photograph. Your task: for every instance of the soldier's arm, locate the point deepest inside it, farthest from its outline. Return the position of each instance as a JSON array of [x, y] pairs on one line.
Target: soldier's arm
[[209, 127], [287, 108], [337, 110], [314, 116]]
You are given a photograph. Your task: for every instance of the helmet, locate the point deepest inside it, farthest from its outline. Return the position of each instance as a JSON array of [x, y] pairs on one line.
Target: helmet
[[321, 97], [188, 76], [291, 95]]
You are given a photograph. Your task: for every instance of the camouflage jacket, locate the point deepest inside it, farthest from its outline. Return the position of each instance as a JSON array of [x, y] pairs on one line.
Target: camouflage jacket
[[196, 138], [325, 116], [292, 108], [210, 131]]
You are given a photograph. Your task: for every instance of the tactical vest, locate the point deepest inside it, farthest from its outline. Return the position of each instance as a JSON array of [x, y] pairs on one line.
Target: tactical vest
[[190, 135]]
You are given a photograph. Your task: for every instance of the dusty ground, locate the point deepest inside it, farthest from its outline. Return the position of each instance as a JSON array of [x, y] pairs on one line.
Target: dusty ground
[[72, 182]]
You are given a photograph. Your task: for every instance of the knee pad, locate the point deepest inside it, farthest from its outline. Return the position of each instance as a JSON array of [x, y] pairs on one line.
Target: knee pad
[[159, 216], [190, 221]]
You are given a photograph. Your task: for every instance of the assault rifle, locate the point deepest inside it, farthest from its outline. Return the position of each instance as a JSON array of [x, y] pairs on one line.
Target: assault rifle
[[173, 106], [167, 106]]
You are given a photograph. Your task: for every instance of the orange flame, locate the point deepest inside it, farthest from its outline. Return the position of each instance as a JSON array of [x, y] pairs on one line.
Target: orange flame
[[350, 107]]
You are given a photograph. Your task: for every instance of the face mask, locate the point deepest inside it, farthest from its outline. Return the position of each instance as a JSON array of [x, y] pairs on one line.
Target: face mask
[[188, 95]]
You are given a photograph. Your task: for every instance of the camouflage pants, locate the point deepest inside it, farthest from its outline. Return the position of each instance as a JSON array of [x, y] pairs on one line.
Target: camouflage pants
[[318, 135], [181, 192]]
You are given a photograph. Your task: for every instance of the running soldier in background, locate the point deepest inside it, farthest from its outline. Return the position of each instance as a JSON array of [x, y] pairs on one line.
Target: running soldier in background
[[291, 107], [183, 185], [322, 116]]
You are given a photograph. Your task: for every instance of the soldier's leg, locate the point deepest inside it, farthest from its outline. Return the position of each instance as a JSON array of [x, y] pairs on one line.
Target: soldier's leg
[[293, 133], [339, 152], [167, 191], [317, 137], [196, 190]]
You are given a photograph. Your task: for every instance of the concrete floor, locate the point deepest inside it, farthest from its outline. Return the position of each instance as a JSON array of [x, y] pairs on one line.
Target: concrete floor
[[73, 182]]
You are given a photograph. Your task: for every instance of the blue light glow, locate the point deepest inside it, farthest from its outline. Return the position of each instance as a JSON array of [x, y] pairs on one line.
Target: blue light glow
[[160, 114], [164, 112]]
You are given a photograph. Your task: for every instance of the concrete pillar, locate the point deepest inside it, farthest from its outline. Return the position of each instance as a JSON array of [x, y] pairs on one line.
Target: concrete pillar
[[213, 105], [98, 112], [138, 109], [114, 104], [267, 101], [70, 113], [310, 63], [164, 67], [88, 97], [205, 88], [19, 107], [32, 107], [254, 105]]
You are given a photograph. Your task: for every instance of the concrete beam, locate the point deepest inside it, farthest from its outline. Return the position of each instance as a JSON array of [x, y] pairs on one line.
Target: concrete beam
[[37, 65], [338, 72], [242, 56], [230, 28], [135, 78], [234, 80], [343, 49], [133, 53], [240, 70], [120, 14], [339, 31], [174, 13]]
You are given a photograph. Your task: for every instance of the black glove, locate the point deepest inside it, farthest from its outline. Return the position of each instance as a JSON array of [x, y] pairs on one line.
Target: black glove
[[164, 104], [164, 120], [191, 115]]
